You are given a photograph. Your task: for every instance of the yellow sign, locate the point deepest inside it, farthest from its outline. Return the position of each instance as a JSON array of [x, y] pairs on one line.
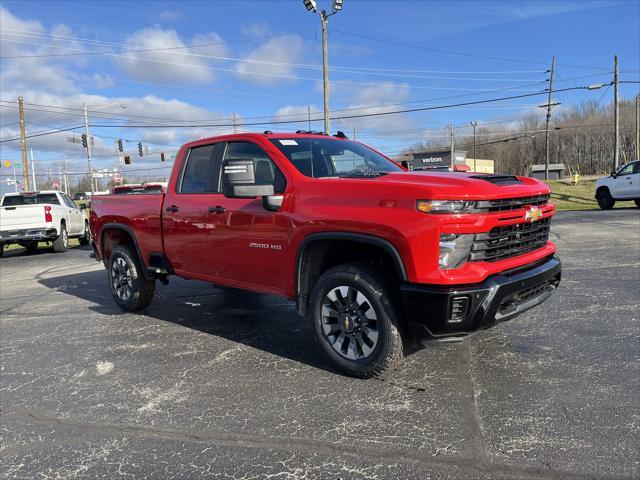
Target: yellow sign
[[7, 163]]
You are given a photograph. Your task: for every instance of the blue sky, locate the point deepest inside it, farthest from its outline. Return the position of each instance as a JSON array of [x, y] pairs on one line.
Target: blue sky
[[260, 61]]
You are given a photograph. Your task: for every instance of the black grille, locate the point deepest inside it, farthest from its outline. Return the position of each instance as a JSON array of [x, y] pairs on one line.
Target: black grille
[[528, 293], [511, 203], [510, 241]]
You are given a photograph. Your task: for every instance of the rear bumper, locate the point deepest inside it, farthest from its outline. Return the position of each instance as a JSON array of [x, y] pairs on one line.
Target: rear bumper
[[440, 311], [28, 235]]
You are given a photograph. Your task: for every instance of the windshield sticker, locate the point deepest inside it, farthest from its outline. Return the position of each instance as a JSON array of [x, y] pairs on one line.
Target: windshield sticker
[[288, 142]]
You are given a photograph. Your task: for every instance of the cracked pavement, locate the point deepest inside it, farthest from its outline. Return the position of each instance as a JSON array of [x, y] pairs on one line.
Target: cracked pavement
[[212, 383]]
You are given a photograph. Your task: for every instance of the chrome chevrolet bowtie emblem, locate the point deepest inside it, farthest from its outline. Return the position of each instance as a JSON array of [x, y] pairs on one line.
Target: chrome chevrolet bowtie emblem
[[533, 214]]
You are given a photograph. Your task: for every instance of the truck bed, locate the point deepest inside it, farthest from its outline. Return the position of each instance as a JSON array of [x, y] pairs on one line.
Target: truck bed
[[140, 213]]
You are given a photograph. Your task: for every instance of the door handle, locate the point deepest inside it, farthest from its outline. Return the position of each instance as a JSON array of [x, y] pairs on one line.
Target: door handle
[[217, 209], [172, 208]]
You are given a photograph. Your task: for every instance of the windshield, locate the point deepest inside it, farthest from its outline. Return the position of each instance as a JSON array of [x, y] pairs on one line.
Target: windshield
[[330, 157], [33, 199]]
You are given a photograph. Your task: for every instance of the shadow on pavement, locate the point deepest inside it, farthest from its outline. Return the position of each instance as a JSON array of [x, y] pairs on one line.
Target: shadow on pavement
[[264, 322]]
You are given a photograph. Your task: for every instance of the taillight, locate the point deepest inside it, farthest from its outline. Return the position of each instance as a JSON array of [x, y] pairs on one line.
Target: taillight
[[47, 214]]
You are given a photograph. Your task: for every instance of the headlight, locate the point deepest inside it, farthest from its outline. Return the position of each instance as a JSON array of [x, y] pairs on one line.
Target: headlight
[[444, 206], [454, 250]]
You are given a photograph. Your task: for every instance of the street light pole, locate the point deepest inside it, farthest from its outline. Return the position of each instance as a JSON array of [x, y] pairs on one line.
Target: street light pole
[[325, 70], [86, 133], [474, 125], [324, 17]]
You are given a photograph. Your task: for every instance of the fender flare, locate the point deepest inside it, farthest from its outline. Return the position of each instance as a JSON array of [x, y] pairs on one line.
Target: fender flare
[[354, 237], [129, 231]]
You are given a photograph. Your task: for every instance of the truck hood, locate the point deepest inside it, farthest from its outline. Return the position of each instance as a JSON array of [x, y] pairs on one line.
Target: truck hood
[[466, 186]]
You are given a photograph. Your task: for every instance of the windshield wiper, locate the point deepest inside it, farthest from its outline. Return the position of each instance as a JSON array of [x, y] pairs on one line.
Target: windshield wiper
[[362, 174]]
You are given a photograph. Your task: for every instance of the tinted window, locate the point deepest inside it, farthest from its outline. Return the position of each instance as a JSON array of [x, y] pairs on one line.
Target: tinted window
[[13, 200], [70, 203], [202, 172], [627, 169], [327, 157], [266, 171]]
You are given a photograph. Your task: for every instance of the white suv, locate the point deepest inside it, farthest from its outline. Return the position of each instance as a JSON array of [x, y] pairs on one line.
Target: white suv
[[621, 185]]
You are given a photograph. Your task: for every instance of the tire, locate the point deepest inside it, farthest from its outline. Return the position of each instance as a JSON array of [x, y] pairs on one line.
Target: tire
[[355, 320], [637, 200], [85, 239], [31, 247], [1, 250], [130, 289], [61, 243], [604, 198]]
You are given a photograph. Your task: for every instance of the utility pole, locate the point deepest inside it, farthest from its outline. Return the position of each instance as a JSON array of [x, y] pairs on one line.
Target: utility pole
[[474, 125], [638, 127], [33, 171], [66, 182], [235, 123], [86, 132], [309, 116], [546, 136], [616, 114], [354, 133], [452, 145], [23, 143], [15, 179]]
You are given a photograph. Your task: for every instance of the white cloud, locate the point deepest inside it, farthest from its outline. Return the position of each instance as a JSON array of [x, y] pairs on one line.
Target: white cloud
[[169, 15], [278, 55], [365, 100], [255, 29], [175, 65]]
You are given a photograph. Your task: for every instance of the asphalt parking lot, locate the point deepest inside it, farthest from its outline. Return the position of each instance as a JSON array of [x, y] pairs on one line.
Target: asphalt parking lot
[[211, 383]]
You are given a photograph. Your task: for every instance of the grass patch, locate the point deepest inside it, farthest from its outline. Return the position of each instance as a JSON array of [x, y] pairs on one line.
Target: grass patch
[[73, 243], [578, 197]]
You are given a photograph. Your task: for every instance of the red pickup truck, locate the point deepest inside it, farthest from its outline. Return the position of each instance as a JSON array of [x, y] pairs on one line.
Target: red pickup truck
[[379, 258]]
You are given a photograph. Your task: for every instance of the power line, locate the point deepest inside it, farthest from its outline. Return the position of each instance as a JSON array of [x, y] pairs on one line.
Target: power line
[[343, 117]]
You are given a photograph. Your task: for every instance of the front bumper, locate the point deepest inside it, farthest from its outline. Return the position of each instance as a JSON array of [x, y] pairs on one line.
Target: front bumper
[[440, 311], [28, 235]]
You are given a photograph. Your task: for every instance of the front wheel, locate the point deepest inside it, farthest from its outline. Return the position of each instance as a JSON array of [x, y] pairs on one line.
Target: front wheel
[[605, 200], [355, 320], [637, 200], [129, 286]]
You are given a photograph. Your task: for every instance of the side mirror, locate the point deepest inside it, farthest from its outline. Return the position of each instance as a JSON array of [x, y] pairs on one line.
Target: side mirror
[[82, 207], [239, 180], [613, 173]]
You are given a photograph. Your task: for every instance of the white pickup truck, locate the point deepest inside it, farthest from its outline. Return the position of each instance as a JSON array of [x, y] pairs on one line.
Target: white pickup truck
[[621, 185], [28, 218]]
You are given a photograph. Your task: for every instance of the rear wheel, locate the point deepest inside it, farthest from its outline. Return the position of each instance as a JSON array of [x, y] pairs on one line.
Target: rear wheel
[[604, 198], [637, 200], [129, 286], [61, 243], [355, 320], [85, 239], [1, 250]]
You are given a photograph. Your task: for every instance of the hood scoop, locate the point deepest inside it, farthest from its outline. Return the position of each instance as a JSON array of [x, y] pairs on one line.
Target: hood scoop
[[498, 179]]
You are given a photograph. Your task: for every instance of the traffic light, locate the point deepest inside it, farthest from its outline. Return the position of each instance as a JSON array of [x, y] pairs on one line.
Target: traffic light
[[84, 140], [120, 149], [127, 160], [162, 157], [140, 152]]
